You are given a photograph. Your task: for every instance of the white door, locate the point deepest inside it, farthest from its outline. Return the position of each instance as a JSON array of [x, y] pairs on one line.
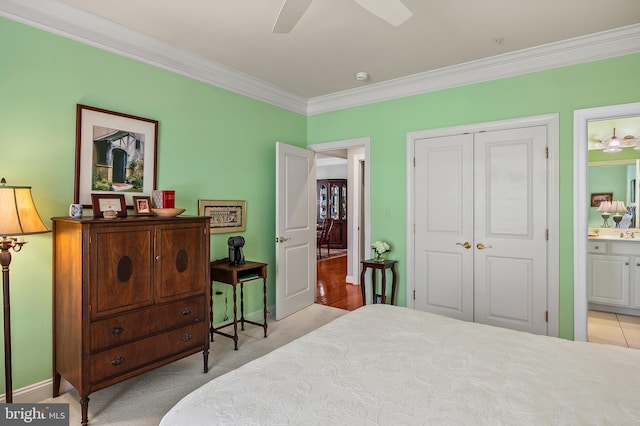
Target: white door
[[480, 212], [444, 226], [510, 273], [295, 229]]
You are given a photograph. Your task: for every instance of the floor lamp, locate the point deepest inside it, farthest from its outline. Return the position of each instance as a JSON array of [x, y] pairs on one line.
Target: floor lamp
[[18, 217]]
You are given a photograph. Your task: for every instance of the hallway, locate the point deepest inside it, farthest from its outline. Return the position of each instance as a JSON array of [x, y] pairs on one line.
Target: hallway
[[332, 289]]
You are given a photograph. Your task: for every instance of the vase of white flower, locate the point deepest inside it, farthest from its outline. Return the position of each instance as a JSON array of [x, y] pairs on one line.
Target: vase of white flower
[[379, 249]]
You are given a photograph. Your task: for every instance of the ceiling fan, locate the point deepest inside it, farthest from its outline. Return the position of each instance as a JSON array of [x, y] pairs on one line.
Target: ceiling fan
[[392, 11]]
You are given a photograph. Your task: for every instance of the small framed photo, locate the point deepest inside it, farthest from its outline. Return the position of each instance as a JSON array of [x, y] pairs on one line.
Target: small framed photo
[[597, 198], [142, 206], [108, 205], [226, 216]]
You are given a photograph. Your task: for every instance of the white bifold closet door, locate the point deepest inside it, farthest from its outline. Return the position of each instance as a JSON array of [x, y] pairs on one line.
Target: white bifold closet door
[[481, 227]]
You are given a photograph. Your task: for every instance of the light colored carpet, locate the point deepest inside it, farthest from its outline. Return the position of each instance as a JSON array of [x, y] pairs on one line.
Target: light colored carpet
[[144, 400]]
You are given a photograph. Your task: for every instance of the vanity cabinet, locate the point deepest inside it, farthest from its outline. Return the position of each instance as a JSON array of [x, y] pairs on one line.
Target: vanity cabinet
[[614, 276], [332, 203], [129, 295]]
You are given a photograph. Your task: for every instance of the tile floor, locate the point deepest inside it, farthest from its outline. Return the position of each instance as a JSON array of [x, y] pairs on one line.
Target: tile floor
[[614, 329]]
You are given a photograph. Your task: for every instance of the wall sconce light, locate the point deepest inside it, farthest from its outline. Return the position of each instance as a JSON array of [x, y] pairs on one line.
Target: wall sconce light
[[18, 217], [618, 207], [604, 208]]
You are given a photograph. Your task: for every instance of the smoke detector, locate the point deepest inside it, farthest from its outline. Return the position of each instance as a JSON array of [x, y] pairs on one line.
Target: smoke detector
[[362, 76]]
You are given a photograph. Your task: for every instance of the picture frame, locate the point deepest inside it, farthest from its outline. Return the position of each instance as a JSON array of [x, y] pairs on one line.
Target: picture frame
[[226, 215], [111, 204], [142, 205], [115, 153], [597, 198]]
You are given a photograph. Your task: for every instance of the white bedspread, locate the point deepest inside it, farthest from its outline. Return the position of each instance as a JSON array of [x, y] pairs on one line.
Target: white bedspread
[[386, 365]]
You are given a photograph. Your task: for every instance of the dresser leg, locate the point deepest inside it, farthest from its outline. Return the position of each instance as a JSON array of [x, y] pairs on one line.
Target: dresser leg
[[205, 356], [56, 385], [84, 406]]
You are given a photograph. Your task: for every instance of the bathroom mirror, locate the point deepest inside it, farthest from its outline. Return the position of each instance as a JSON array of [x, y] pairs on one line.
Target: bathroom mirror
[[615, 173]]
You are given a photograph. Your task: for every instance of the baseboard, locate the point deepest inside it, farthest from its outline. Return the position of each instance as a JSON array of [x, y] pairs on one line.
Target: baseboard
[[33, 393]]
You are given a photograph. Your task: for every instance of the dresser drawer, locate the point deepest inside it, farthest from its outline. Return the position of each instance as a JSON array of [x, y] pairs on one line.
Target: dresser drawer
[[126, 358], [597, 247], [128, 327]]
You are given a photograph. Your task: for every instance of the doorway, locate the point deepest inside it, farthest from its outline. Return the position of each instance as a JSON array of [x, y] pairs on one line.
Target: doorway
[[580, 203], [356, 152]]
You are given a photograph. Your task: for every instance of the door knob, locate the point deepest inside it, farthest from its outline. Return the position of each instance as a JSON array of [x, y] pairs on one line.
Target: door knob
[[466, 244], [282, 239], [481, 246]]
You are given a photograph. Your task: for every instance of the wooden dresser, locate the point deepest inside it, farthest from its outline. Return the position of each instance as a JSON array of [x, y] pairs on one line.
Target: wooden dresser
[[129, 295]]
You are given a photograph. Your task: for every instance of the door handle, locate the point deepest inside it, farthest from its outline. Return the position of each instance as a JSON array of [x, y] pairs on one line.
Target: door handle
[[466, 244], [481, 246], [282, 239]]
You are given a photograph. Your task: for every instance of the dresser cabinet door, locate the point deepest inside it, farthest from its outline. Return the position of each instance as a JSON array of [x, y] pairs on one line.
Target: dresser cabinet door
[[179, 260], [122, 278]]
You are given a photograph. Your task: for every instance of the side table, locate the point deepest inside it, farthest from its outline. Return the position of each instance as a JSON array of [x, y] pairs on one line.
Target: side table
[[382, 267], [224, 272]]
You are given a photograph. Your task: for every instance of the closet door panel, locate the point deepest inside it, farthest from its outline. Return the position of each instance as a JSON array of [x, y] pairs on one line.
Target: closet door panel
[[510, 231], [444, 226]]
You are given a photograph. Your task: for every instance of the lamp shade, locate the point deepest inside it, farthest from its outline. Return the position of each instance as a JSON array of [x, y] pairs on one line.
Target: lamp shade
[[18, 214], [618, 207], [605, 206]]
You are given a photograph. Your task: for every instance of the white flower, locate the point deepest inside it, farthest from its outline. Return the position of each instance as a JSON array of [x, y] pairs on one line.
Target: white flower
[[380, 247]]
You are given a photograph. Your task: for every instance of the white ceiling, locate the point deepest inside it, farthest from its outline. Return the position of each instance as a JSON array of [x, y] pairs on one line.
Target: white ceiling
[[332, 41]]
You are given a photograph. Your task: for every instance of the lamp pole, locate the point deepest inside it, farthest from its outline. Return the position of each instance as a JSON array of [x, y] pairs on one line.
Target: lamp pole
[[5, 260]]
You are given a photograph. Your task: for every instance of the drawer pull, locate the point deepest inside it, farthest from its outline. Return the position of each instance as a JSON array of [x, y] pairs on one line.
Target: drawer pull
[[117, 330], [186, 337], [187, 311], [597, 247], [117, 360]]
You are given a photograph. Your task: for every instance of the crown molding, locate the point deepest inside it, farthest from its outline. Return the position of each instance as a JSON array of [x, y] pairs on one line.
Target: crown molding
[[603, 45], [59, 18]]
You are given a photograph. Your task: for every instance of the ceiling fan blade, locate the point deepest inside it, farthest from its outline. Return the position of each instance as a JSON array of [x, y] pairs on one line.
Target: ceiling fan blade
[[291, 12], [392, 11]]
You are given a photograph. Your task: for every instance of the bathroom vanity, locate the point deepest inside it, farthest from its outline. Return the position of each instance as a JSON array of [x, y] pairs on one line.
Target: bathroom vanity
[[614, 271]]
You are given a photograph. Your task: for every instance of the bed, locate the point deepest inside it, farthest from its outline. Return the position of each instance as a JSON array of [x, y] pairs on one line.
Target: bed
[[384, 365]]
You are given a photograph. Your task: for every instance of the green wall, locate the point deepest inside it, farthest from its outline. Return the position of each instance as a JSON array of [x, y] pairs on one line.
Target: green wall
[[562, 90], [604, 179], [214, 144]]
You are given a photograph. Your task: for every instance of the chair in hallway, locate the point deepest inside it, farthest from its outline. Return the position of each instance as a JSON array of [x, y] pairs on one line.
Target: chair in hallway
[[324, 235]]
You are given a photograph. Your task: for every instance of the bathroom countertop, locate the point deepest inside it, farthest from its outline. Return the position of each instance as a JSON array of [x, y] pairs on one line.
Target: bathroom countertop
[[615, 236]]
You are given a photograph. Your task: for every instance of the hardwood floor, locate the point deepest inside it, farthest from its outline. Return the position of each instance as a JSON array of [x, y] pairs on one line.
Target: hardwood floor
[[332, 289]]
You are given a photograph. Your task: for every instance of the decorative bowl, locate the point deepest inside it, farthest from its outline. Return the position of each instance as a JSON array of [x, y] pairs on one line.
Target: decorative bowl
[[167, 212]]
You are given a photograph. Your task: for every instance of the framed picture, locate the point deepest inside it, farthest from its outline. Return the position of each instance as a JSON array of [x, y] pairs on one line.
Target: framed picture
[[115, 152], [142, 205], [597, 198], [108, 205], [226, 216]]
